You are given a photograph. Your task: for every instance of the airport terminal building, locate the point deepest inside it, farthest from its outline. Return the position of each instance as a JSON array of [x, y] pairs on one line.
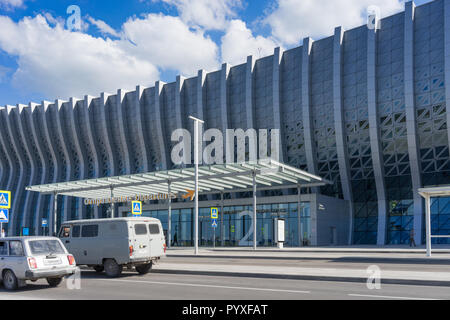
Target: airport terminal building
[[364, 108]]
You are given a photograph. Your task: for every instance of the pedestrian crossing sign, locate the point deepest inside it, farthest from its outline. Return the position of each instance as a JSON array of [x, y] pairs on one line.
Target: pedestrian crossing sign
[[136, 208], [4, 213], [5, 199], [214, 213]]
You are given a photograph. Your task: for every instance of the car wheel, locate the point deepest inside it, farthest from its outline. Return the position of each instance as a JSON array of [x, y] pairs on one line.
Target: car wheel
[[112, 269], [99, 269], [144, 268], [54, 282], [10, 280]]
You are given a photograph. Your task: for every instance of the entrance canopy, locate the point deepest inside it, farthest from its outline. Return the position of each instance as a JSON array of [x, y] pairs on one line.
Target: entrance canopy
[[428, 193], [212, 178], [433, 192]]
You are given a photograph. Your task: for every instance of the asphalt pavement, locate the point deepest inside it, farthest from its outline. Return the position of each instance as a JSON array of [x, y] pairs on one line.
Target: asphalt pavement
[[156, 286]]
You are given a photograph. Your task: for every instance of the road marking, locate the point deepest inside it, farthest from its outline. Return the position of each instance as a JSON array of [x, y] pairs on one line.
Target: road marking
[[388, 297], [19, 297], [207, 286]]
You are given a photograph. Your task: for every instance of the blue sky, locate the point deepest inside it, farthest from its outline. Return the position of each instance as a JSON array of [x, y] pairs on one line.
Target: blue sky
[[125, 43]]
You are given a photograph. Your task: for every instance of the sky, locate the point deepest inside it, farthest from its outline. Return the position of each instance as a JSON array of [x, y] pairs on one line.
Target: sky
[[61, 49]]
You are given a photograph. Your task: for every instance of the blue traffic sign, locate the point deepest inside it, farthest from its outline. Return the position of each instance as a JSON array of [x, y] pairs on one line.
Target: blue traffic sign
[[214, 223], [44, 222], [5, 199], [214, 213], [4, 215], [136, 208], [25, 231]]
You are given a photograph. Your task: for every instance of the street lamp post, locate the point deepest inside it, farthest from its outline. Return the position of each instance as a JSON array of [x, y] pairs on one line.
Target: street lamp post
[[196, 160]]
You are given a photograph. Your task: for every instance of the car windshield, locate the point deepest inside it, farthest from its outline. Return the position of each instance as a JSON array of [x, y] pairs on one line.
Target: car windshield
[[45, 247]]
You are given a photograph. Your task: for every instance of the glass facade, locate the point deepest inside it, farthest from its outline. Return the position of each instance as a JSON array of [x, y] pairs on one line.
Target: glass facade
[[237, 225]]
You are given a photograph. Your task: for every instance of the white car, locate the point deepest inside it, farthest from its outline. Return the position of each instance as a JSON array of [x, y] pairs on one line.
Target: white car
[[33, 258]]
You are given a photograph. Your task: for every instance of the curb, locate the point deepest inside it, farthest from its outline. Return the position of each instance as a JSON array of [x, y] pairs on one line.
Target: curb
[[355, 259], [433, 283]]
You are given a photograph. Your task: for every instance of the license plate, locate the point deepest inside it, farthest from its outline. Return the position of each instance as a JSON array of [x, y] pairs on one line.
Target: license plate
[[52, 261]]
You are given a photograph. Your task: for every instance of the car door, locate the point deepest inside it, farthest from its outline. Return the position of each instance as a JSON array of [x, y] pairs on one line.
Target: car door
[[90, 244], [16, 258], [64, 236], [157, 240], [3, 255], [141, 245]]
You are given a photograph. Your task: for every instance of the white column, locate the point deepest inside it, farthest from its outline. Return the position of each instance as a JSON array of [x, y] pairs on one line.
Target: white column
[[196, 156], [339, 126], [140, 127], [306, 107], [86, 110], [21, 112], [55, 214], [169, 227], [67, 156], [159, 128], [377, 159], [277, 56], [223, 96], [38, 143], [106, 138], [81, 154], [249, 92], [43, 109], [200, 83], [18, 191], [410, 111], [254, 211], [428, 224], [121, 128]]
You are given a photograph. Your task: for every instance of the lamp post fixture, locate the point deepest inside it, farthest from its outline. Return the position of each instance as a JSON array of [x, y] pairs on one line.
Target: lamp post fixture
[[196, 160]]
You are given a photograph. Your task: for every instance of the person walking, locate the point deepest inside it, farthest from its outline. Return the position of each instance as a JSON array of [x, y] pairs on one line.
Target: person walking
[[412, 242]]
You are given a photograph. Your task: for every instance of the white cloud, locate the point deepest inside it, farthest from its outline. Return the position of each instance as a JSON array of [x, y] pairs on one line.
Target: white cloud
[[207, 14], [4, 73], [169, 43], [293, 20], [59, 63], [104, 28], [11, 4], [239, 42]]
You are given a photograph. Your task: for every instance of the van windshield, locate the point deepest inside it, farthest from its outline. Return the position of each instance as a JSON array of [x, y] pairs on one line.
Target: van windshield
[[45, 247]]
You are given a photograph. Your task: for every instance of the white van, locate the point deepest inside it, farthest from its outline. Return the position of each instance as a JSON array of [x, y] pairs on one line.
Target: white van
[[111, 244]]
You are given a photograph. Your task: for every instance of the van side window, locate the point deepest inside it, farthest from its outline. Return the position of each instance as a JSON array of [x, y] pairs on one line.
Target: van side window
[[3, 248], [153, 228], [65, 232], [15, 248], [90, 231], [140, 229], [76, 231]]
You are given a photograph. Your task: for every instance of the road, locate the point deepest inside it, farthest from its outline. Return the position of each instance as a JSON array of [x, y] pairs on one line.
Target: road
[[156, 286]]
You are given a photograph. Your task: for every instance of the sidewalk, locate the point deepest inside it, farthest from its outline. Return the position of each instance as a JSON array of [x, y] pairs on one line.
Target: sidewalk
[[399, 265], [350, 249]]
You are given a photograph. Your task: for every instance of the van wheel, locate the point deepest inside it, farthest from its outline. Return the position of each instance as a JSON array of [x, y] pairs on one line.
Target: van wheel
[[112, 269], [54, 282], [144, 268], [99, 269], [10, 280]]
